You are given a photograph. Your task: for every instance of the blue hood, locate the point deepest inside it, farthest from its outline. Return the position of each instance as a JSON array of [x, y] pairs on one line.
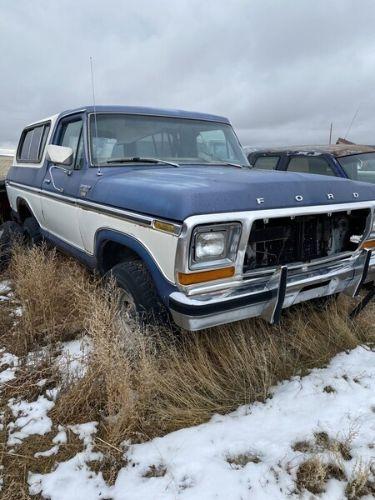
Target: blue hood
[[177, 193]]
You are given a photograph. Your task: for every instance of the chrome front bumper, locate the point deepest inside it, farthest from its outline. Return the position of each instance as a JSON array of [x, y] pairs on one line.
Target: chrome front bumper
[[268, 298]]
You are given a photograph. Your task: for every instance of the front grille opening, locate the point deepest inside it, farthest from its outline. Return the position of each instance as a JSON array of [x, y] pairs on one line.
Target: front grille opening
[[304, 238]]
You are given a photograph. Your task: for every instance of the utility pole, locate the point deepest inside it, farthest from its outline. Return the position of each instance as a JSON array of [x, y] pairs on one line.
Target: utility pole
[[330, 134]]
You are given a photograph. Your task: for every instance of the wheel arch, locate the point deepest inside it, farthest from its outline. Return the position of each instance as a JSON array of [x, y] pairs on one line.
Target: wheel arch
[[23, 210], [113, 247]]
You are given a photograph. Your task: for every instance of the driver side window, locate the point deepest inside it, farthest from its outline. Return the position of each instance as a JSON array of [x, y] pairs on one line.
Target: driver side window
[[71, 136]]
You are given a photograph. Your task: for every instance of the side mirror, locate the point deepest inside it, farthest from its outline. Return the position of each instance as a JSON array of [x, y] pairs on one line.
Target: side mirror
[[60, 155]]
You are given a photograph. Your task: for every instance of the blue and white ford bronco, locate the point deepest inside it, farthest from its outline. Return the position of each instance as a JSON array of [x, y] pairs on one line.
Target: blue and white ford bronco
[[165, 201]]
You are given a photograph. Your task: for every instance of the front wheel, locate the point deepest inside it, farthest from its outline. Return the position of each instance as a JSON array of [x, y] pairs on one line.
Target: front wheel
[[138, 298]]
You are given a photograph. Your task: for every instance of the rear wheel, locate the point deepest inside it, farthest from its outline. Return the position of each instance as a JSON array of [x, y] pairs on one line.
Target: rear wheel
[[139, 299], [32, 231], [11, 233]]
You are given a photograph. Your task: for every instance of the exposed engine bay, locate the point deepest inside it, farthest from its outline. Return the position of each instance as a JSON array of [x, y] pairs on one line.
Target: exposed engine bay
[[302, 239]]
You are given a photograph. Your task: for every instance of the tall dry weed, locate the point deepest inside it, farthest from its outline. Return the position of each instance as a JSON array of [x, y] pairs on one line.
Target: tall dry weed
[[49, 289], [119, 382]]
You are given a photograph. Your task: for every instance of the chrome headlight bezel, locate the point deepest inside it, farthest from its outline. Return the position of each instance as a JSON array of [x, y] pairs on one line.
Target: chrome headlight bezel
[[231, 235], [372, 232]]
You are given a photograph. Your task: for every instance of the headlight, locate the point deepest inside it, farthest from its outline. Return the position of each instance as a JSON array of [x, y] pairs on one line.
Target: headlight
[[209, 245], [214, 245]]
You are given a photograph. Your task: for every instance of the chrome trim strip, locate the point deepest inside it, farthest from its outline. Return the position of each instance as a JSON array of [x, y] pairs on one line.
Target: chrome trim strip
[[97, 207]]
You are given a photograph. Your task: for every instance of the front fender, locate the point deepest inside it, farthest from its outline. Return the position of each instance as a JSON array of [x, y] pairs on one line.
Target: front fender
[[103, 236]]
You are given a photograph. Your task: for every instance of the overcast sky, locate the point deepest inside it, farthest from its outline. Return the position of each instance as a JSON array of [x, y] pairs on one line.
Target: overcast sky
[[281, 70]]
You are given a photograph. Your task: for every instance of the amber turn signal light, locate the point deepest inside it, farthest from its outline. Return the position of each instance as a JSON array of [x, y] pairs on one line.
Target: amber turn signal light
[[202, 276], [369, 245]]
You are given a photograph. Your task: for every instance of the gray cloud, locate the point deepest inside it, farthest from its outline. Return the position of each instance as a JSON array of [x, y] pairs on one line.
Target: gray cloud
[[282, 70]]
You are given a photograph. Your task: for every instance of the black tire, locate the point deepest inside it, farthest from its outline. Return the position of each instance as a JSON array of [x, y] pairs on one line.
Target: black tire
[[135, 280], [32, 232], [10, 234]]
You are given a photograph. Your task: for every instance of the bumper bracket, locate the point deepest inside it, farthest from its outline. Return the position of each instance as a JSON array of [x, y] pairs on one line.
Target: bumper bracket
[[273, 310]]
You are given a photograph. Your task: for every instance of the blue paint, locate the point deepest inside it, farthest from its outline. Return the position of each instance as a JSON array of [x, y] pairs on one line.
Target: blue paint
[[177, 193], [140, 110], [88, 260]]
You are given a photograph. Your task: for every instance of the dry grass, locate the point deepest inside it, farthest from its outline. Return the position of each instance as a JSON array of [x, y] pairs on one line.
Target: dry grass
[[360, 483], [313, 474], [339, 448], [155, 471], [140, 384], [241, 460], [48, 289], [18, 463], [119, 383]]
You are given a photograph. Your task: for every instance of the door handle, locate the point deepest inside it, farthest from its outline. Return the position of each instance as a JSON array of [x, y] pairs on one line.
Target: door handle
[[65, 170]]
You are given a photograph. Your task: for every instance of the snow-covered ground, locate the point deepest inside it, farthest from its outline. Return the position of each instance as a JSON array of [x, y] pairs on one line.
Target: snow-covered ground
[[250, 453], [247, 454]]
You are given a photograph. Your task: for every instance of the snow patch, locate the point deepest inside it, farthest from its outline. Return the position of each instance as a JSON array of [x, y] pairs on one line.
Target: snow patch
[[197, 462], [72, 360], [31, 418], [5, 287], [12, 362]]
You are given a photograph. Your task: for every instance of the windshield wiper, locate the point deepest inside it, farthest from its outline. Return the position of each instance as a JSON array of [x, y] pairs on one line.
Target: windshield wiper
[[138, 159], [227, 163]]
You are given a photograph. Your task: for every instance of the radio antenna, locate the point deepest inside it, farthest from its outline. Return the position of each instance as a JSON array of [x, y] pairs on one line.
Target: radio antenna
[[94, 105], [351, 123]]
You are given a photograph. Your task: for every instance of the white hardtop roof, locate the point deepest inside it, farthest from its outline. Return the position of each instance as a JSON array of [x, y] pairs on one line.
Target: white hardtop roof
[[52, 119]]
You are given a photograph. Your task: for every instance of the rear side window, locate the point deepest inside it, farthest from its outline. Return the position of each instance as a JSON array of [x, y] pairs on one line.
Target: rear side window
[[266, 162], [32, 143], [310, 165]]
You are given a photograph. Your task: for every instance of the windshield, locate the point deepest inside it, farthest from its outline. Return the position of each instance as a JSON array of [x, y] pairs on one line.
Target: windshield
[[359, 167], [183, 141]]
